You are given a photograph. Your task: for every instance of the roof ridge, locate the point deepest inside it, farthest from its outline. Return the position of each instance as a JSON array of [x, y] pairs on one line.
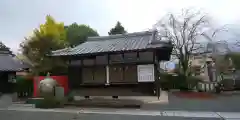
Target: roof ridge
[[120, 35], [61, 50]]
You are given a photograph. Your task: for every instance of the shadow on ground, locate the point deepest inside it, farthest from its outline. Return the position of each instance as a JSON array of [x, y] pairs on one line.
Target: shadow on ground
[[107, 103], [223, 103]]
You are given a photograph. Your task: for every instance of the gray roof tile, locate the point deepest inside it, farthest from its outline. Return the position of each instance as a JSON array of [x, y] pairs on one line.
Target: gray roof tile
[[8, 63], [114, 43]]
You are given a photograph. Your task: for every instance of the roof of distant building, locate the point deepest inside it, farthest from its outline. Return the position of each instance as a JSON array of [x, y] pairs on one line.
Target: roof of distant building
[[116, 43]]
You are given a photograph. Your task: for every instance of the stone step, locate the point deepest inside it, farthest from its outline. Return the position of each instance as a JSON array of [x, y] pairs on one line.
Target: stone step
[[22, 106]]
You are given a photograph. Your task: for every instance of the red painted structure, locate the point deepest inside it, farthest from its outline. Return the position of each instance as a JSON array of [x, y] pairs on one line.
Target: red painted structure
[[62, 81]]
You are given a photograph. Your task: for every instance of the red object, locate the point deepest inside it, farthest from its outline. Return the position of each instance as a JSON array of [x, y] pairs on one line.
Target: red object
[[62, 81]]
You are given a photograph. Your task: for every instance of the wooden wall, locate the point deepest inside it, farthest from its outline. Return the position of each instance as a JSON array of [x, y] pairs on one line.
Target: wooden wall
[[116, 58], [122, 68]]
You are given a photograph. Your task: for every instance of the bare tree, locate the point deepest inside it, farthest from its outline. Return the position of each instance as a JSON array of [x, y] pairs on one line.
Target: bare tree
[[220, 50], [184, 31]]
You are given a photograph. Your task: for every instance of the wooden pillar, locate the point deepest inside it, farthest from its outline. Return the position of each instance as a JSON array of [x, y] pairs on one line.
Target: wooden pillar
[[107, 70], [157, 76], [157, 81], [107, 75]]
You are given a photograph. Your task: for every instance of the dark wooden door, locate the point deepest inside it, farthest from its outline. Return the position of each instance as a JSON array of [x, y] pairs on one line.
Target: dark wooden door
[[115, 74], [100, 74], [130, 73], [74, 76], [87, 75]]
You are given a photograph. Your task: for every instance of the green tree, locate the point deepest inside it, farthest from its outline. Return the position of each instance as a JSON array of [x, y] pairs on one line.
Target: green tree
[[77, 34], [5, 49], [53, 29], [118, 29], [50, 36]]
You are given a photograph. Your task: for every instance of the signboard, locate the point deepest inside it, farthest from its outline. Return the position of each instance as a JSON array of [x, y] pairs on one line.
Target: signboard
[[145, 73]]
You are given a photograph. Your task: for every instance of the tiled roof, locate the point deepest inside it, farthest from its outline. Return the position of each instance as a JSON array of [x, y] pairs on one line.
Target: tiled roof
[[24, 64], [115, 43], [8, 63]]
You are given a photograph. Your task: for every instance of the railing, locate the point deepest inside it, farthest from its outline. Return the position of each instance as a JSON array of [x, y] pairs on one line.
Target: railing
[[206, 87], [25, 94]]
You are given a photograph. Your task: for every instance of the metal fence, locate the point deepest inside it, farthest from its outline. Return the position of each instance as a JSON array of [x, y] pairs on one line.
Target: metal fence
[[25, 94], [206, 87]]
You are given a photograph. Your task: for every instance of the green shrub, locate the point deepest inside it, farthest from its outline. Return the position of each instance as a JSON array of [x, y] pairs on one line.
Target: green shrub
[[193, 81], [182, 83], [49, 102], [170, 81], [70, 97], [23, 86]]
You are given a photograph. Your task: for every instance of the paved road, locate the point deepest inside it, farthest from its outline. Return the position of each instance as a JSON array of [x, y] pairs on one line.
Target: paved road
[[5, 101], [228, 103], [23, 115], [224, 103]]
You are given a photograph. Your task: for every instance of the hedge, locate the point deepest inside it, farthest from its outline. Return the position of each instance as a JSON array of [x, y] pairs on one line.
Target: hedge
[[170, 81], [23, 86]]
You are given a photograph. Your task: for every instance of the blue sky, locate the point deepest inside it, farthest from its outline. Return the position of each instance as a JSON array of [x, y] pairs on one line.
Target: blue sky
[[19, 17]]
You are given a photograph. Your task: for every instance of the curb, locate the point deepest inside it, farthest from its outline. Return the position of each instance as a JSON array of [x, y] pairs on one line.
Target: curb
[[137, 112]]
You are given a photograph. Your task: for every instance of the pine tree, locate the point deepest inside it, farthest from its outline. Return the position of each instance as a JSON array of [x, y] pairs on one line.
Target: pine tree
[[118, 29]]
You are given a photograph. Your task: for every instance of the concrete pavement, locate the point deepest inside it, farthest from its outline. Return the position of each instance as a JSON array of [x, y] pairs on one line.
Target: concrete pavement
[[225, 108], [223, 103], [52, 114], [21, 115], [30, 115]]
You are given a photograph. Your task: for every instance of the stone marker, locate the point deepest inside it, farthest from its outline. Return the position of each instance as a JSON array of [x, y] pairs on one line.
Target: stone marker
[[59, 92]]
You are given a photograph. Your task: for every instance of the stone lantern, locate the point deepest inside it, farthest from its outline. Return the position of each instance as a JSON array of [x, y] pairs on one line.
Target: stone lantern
[[47, 86]]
